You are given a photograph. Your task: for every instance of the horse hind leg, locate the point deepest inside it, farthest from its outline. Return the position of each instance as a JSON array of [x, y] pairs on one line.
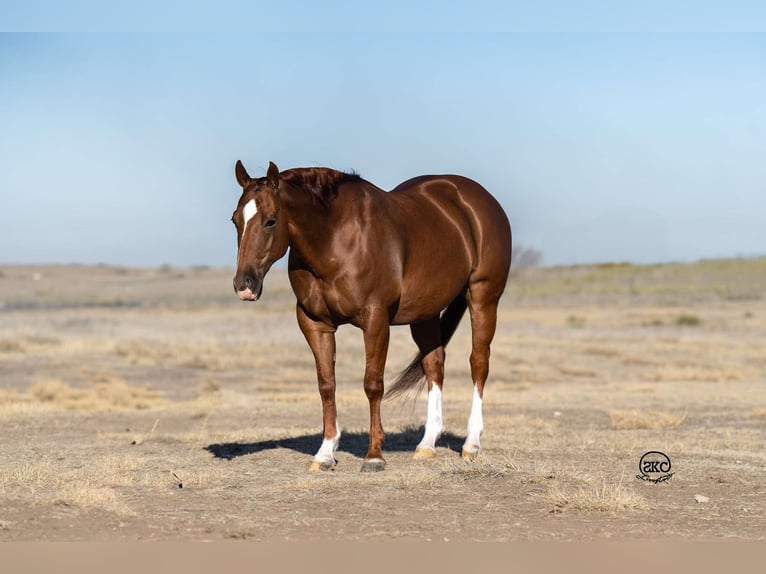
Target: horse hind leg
[[482, 305], [427, 336]]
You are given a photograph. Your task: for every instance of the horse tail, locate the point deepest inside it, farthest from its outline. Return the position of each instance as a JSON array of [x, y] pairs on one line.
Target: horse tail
[[412, 379]]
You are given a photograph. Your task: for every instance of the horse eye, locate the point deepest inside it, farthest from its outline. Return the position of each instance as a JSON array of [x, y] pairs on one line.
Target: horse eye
[[271, 222]]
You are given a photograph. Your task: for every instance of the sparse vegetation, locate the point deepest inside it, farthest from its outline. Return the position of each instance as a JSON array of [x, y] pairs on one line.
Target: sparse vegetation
[[633, 420], [481, 468], [101, 396], [106, 410], [687, 319], [10, 346], [595, 496], [576, 322]]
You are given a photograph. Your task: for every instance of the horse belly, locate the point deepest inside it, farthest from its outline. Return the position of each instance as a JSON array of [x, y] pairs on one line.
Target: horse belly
[[432, 281]]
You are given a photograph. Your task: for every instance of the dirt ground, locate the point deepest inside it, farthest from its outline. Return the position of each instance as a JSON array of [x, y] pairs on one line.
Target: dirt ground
[[150, 404]]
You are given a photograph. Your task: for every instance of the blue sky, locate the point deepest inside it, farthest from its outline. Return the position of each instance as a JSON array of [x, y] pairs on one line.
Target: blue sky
[[602, 145]]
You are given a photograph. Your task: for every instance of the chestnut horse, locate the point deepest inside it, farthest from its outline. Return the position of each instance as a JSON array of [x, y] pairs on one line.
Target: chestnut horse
[[417, 255]]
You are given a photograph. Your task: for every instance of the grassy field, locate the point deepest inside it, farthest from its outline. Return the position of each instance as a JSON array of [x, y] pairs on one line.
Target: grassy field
[[150, 404]]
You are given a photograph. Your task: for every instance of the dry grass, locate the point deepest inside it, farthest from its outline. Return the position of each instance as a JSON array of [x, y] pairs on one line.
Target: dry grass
[[11, 346], [100, 396], [28, 343], [635, 420], [210, 355], [8, 396], [688, 320], [523, 424], [597, 495], [235, 415], [101, 483], [143, 353], [577, 372], [480, 468], [108, 394], [700, 373], [84, 488], [26, 476], [602, 352], [88, 495], [290, 397]]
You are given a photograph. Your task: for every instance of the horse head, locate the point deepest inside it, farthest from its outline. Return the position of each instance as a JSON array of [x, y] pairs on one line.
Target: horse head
[[262, 230]]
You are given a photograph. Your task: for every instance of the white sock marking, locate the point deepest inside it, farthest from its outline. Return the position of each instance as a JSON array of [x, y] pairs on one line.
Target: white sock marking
[[475, 424], [248, 212], [434, 423], [326, 452]]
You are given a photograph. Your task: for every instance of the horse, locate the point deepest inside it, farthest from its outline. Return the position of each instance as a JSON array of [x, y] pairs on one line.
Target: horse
[[418, 255]]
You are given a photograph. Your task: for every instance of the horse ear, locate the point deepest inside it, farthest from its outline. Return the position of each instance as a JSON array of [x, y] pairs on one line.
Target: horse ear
[[273, 175], [243, 178]]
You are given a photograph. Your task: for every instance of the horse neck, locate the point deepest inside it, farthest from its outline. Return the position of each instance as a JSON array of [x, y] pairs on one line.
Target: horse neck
[[308, 223]]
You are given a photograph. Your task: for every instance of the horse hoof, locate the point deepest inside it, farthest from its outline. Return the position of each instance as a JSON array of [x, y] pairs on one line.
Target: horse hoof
[[373, 465], [423, 452], [317, 465], [469, 454]]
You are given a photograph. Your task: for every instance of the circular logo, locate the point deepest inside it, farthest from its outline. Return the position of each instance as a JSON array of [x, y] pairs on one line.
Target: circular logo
[[654, 466]]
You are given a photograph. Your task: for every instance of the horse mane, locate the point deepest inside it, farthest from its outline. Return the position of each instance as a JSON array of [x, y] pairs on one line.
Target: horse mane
[[321, 183]]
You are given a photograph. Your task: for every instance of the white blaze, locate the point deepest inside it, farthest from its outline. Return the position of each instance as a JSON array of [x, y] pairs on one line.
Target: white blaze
[[248, 212], [434, 423]]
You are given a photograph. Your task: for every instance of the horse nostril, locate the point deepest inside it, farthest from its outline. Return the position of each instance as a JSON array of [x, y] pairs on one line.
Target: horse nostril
[[243, 285]]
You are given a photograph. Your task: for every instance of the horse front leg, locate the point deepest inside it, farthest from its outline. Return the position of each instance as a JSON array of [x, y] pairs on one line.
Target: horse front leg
[[321, 339], [376, 334]]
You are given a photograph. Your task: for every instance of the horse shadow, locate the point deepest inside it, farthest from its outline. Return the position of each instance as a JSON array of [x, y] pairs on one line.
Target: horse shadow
[[354, 443]]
